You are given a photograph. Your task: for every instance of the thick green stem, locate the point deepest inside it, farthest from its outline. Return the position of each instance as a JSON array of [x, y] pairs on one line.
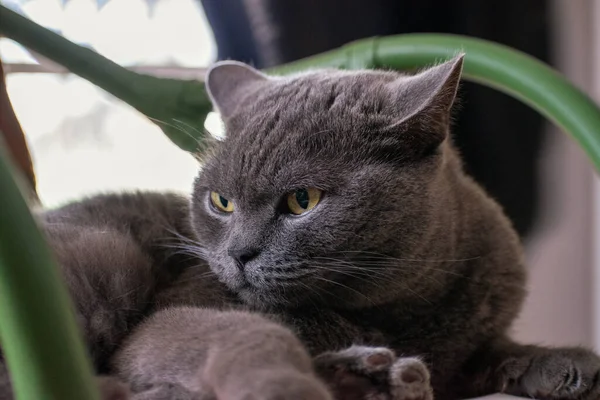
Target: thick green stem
[[490, 64], [178, 107], [80, 60], [40, 339], [182, 106]]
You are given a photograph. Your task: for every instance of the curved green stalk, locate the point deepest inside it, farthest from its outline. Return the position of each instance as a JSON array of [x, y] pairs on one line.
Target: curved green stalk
[[39, 336], [40, 339], [174, 105], [181, 104], [487, 63]]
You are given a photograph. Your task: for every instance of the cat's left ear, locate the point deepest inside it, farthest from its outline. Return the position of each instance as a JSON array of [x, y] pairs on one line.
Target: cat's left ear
[[424, 101], [229, 83]]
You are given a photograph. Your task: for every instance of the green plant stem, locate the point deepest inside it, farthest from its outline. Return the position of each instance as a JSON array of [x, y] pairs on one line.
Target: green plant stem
[[40, 339], [182, 106], [178, 107], [31, 351], [490, 64]]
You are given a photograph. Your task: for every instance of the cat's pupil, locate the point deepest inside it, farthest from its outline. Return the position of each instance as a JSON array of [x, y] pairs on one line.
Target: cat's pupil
[[224, 201], [302, 198]]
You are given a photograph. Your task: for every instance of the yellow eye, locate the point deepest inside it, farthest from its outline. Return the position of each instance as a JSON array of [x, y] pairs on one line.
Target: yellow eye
[[221, 202], [303, 200]]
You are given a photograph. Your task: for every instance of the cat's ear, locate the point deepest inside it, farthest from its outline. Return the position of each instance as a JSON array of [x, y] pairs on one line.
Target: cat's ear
[[229, 83], [424, 101]]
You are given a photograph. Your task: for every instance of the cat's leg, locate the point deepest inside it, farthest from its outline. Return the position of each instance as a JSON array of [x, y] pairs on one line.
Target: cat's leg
[[534, 371], [360, 373], [231, 354]]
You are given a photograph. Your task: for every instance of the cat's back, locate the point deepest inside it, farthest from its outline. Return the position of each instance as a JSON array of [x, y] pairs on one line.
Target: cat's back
[[154, 220], [122, 210]]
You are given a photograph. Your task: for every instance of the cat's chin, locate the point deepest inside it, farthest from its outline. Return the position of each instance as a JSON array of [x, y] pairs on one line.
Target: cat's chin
[[265, 298]]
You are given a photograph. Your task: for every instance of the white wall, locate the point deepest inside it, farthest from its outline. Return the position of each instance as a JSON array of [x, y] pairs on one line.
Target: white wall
[[595, 52], [559, 310]]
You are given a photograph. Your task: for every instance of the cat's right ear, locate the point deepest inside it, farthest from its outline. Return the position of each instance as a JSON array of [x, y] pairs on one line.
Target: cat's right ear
[[424, 101], [229, 83]]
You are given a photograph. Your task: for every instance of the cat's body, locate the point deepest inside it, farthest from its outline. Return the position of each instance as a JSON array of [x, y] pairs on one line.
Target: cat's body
[[467, 286], [393, 245], [125, 257]]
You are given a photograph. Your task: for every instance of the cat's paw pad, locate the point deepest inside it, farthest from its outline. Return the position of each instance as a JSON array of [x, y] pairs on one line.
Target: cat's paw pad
[[361, 359], [374, 373], [561, 374], [410, 380]]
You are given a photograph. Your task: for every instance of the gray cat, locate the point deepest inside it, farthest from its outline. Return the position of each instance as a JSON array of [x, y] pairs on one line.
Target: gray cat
[[336, 209]]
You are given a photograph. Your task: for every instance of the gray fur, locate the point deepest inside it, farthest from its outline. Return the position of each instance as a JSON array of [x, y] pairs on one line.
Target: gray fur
[[404, 254], [421, 259], [244, 356]]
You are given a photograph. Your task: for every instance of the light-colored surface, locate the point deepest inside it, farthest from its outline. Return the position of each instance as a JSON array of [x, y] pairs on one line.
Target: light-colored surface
[[84, 141], [499, 397], [596, 198], [559, 308]]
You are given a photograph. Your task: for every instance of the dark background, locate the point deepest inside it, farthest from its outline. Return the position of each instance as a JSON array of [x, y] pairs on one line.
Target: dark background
[[499, 138]]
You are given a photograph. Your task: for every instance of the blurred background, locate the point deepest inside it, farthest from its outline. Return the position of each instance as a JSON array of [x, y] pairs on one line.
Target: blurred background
[[83, 141]]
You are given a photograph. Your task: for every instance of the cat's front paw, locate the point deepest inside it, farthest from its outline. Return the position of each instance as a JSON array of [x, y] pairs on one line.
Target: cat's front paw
[[280, 385], [555, 374], [112, 388], [374, 373]]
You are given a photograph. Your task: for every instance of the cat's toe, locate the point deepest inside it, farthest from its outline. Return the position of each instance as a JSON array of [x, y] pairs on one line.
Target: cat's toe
[[361, 359], [565, 374], [374, 373], [410, 380]]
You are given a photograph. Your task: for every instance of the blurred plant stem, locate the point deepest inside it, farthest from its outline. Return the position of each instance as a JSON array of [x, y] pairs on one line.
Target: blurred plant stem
[[14, 139], [178, 107], [40, 339]]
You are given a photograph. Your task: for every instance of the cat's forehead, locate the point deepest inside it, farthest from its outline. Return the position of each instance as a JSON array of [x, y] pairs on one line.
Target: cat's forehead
[[289, 109], [326, 89], [306, 129], [275, 162], [308, 117]]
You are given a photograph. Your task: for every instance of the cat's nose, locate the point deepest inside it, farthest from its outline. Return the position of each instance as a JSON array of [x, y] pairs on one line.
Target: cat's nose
[[242, 256]]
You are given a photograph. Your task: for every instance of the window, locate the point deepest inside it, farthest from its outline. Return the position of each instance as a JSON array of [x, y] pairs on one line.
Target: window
[[84, 141]]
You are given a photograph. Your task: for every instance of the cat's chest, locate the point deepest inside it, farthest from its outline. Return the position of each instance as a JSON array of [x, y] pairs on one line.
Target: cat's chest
[[325, 330], [197, 287]]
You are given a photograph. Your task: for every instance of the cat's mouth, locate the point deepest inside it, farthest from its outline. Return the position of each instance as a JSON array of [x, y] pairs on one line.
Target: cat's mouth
[[260, 286], [259, 291]]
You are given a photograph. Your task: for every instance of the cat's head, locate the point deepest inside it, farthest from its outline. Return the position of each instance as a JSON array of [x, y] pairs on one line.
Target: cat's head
[[326, 182]]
